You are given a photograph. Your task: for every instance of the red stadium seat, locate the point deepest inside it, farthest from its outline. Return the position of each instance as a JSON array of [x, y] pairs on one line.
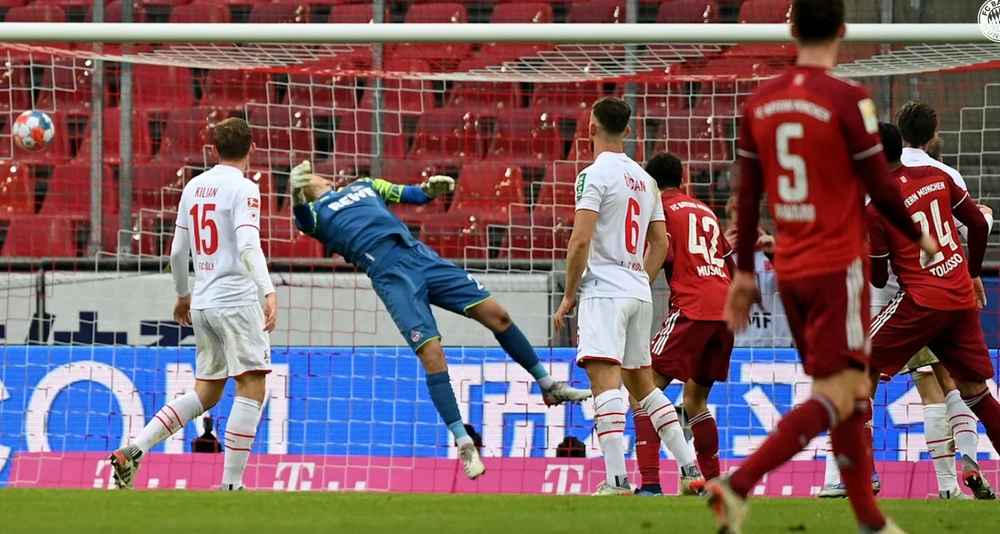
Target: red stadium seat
[[15, 88], [698, 141], [559, 186], [542, 234], [404, 95], [444, 55], [6, 142], [353, 139], [675, 135], [448, 136], [765, 11], [37, 13], [69, 192], [354, 14], [412, 172], [233, 89], [324, 94], [688, 11], [288, 134], [157, 186], [284, 13], [201, 11], [661, 100], [526, 137], [490, 191], [522, 13], [40, 236], [142, 142], [17, 190], [477, 96], [113, 13], [186, 134], [456, 236], [597, 11], [160, 88], [281, 239], [65, 3], [566, 99], [66, 86], [13, 3]]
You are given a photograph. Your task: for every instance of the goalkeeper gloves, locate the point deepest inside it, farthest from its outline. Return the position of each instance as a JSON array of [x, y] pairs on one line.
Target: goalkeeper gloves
[[300, 179], [437, 185]]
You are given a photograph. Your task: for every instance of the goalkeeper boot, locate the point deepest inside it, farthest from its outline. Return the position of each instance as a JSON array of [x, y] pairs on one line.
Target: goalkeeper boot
[[974, 480], [692, 481], [604, 489], [125, 467], [561, 392], [472, 462], [730, 509], [833, 491]]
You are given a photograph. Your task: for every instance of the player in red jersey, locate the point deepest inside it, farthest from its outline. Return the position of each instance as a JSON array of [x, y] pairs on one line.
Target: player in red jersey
[[694, 344], [811, 140], [935, 306]]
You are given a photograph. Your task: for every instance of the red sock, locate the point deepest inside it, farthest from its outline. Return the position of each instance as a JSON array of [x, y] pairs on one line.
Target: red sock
[[647, 447], [851, 443], [706, 444], [987, 409], [792, 434]]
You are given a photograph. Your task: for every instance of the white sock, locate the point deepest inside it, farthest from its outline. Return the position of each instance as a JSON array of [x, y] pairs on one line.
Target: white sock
[[939, 445], [241, 428], [169, 420], [664, 418], [609, 417], [964, 426], [831, 475]]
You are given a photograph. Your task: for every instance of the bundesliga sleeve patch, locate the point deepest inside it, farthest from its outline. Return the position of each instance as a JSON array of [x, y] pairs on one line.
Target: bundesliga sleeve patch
[[253, 203], [869, 114]]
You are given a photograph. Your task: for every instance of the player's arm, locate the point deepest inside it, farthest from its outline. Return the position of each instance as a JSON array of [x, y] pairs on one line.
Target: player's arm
[[246, 219], [180, 251], [589, 194], [411, 194], [879, 247], [966, 211], [751, 191], [727, 256], [657, 243]]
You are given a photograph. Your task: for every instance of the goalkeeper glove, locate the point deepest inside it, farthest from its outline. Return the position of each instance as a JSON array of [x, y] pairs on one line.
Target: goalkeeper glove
[[437, 185], [300, 179]]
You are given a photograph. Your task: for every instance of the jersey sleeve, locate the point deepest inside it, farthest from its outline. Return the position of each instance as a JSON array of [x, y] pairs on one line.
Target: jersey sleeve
[[859, 123], [877, 233], [746, 145], [958, 193], [590, 189], [183, 220], [751, 191], [246, 206], [658, 214]]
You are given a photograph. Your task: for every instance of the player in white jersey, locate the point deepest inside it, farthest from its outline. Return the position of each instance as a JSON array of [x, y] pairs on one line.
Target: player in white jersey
[[218, 224], [618, 245], [948, 423]]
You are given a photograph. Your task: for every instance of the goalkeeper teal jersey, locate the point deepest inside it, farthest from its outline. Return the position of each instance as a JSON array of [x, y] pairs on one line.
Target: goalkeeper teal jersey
[[356, 223]]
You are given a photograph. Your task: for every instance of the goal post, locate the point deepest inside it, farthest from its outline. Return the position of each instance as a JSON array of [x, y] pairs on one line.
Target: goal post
[[91, 351]]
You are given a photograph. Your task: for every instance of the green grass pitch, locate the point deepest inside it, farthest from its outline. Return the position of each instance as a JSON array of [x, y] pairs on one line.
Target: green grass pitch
[[102, 511]]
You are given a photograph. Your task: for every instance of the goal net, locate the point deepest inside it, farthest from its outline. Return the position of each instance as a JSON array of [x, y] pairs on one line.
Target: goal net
[[91, 351]]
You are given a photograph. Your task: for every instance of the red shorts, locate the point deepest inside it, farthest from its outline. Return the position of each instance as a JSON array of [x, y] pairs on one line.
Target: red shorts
[[955, 337], [692, 350], [829, 316]]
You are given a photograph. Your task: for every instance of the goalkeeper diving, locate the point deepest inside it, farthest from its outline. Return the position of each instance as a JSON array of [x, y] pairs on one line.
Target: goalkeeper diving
[[408, 276]]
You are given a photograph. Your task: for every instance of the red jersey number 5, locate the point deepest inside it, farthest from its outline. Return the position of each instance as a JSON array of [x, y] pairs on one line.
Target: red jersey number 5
[[206, 232], [632, 227]]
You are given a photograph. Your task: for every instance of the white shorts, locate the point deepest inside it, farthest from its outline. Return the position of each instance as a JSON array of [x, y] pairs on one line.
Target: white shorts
[[614, 330], [230, 342]]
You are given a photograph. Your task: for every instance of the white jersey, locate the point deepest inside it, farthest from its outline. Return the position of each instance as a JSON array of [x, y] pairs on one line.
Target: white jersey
[[768, 325], [626, 200], [213, 205]]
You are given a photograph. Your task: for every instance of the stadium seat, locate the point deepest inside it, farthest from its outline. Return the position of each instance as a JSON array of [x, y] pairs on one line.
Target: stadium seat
[[66, 86], [522, 13], [709, 149], [456, 235], [765, 11], [490, 191], [566, 98], [409, 96], [675, 137], [283, 13], [162, 88], [442, 56], [68, 193], [559, 186], [281, 239], [352, 140], [526, 137], [205, 11], [6, 142], [17, 190], [661, 100], [186, 134], [6, 4], [478, 96], [233, 89], [113, 13], [542, 234], [412, 172], [325, 94], [688, 11], [37, 13], [157, 186], [288, 134], [65, 3], [15, 88], [354, 14], [448, 136], [39, 236], [142, 142], [597, 11]]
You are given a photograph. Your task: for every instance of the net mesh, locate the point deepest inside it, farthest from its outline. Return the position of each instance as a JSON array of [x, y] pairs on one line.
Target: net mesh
[[91, 351]]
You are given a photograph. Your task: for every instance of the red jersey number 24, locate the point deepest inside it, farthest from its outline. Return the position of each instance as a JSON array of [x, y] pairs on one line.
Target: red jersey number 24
[[206, 232], [632, 227]]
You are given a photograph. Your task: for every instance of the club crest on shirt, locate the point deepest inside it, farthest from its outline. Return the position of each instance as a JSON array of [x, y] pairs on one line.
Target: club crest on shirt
[[253, 203], [415, 336]]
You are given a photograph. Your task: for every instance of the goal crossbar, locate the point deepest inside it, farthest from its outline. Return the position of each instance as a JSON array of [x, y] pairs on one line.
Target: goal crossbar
[[45, 32]]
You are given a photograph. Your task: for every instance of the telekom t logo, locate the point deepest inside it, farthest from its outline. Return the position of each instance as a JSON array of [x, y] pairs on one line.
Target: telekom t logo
[[562, 483], [299, 476]]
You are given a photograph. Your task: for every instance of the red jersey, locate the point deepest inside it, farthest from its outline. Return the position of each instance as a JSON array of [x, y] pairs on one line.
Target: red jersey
[[940, 282], [699, 282], [808, 131]]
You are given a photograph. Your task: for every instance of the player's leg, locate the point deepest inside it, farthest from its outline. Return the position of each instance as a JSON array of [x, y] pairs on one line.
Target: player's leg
[[211, 374], [647, 451], [248, 350], [709, 366], [937, 432], [638, 378], [964, 425]]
